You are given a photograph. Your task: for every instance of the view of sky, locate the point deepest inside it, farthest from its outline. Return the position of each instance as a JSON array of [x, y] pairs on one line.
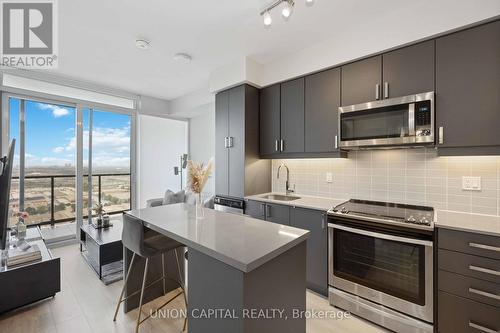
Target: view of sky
[[50, 135]]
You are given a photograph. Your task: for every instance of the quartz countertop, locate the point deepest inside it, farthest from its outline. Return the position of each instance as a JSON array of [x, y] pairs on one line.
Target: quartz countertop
[[305, 201], [480, 223], [237, 240]]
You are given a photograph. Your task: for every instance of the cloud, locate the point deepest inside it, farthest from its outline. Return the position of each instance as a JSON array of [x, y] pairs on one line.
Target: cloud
[[58, 150], [105, 141], [33, 160], [57, 111]]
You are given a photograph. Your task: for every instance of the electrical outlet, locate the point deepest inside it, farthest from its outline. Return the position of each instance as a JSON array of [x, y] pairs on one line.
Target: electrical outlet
[[471, 183], [329, 177]]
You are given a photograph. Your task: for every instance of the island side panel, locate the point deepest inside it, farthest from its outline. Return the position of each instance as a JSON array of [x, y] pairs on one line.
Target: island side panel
[[154, 272], [278, 284], [213, 284]]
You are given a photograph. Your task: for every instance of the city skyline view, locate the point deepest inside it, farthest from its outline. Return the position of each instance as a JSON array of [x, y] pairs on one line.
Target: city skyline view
[[50, 161]]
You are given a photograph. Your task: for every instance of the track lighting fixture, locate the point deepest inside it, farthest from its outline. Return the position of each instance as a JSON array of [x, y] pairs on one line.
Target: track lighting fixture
[[286, 10]]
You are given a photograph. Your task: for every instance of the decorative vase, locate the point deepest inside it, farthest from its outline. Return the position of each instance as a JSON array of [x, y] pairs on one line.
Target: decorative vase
[[20, 230], [99, 220], [200, 213], [105, 220]]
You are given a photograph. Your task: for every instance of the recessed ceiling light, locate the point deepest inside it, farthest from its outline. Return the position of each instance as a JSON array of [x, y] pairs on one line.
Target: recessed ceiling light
[[183, 58], [309, 2], [142, 44]]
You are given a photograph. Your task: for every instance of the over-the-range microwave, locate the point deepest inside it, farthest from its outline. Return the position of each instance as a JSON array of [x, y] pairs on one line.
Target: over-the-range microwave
[[402, 121]]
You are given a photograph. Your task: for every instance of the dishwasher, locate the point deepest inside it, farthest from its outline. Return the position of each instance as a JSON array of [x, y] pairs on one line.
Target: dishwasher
[[229, 204]]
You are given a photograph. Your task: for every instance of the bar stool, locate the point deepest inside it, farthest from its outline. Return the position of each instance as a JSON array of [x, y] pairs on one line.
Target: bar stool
[[147, 244]]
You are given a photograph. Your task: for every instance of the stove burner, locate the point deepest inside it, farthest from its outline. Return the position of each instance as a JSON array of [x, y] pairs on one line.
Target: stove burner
[[386, 211]]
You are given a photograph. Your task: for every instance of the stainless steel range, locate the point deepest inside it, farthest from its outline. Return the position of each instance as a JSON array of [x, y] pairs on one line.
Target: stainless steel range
[[381, 263]]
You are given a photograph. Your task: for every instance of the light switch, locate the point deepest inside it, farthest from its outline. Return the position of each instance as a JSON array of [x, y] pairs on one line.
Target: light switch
[[329, 177], [471, 183]]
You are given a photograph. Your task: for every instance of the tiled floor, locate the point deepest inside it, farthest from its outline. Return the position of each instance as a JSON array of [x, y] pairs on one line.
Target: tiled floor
[[85, 305]]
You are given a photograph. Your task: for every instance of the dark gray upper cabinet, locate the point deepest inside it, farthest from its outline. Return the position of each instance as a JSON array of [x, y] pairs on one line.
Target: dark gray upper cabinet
[[270, 120], [409, 70], [278, 214], [237, 144], [317, 246], [221, 150], [322, 100], [292, 116], [361, 81], [467, 89]]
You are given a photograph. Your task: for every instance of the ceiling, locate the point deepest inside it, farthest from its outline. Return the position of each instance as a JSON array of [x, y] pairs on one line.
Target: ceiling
[[97, 37]]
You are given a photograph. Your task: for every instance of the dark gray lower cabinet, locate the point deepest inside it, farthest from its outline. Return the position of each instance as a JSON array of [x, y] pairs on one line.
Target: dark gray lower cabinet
[[468, 282], [269, 212], [461, 315], [317, 246], [255, 209], [278, 214]]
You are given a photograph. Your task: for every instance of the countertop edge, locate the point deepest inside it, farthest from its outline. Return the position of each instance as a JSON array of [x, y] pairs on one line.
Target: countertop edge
[[466, 229], [298, 203], [246, 268]]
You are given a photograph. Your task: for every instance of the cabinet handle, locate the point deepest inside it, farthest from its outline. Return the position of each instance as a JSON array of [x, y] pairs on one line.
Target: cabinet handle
[[485, 247], [276, 145], [336, 141], [441, 135], [323, 221], [484, 293], [268, 211], [282, 145], [263, 210], [377, 91], [386, 89], [231, 142], [484, 270], [226, 144], [481, 328]]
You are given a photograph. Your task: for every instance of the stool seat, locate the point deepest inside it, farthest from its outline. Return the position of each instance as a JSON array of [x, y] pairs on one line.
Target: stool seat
[[158, 244]]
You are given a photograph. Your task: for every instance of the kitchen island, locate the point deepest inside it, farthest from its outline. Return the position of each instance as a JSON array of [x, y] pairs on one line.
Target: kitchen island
[[244, 274]]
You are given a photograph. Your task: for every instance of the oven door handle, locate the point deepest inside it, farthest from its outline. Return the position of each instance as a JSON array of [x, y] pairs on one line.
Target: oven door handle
[[382, 236]]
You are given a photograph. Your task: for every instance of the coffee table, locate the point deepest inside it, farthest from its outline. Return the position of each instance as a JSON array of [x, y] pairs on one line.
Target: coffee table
[[103, 250]]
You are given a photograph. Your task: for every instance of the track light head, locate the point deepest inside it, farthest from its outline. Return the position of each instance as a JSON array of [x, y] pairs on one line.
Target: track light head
[[286, 12], [268, 20]]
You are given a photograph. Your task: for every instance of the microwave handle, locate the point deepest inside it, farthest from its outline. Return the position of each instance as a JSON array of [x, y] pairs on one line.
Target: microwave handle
[[411, 119]]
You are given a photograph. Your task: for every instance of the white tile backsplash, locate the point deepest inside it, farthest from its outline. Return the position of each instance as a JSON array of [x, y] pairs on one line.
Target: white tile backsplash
[[413, 176]]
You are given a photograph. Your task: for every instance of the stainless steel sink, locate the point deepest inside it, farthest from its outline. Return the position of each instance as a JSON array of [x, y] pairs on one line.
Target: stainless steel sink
[[280, 197]]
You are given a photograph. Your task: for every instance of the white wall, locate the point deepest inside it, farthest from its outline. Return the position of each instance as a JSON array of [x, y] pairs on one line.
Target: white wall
[[160, 144], [202, 139], [388, 30]]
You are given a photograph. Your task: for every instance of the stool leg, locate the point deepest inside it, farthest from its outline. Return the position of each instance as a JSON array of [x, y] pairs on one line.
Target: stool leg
[[124, 286], [163, 272], [142, 295], [183, 286]]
